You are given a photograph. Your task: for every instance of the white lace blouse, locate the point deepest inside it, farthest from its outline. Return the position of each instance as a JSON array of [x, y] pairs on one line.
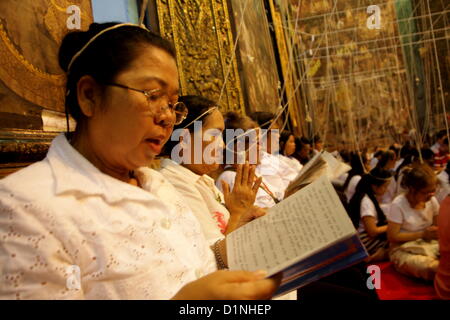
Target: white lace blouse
[[68, 231]]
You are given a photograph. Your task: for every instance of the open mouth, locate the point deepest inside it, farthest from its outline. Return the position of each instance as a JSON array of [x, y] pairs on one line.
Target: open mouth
[[155, 144]]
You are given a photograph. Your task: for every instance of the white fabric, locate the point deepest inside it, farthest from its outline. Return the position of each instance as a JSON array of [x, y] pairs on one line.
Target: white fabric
[[373, 163], [443, 186], [391, 192], [263, 199], [273, 170], [351, 187], [412, 220], [339, 181], [367, 209], [62, 213], [436, 147], [289, 169], [201, 195]]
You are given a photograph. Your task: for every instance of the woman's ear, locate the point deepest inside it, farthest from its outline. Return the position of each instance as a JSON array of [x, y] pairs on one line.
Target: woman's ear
[[89, 95]]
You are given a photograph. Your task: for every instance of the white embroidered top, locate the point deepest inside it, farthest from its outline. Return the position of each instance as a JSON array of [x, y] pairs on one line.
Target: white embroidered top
[[202, 196], [68, 231]]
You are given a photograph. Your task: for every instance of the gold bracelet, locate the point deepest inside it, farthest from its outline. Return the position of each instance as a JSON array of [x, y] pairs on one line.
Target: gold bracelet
[[220, 263]]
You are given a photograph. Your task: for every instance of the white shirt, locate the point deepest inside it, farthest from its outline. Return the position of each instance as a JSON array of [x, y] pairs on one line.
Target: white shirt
[[367, 209], [443, 186], [339, 181], [373, 163], [288, 169], [275, 173], [412, 220], [391, 192], [62, 215], [202, 196], [351, 187], [263, 199]]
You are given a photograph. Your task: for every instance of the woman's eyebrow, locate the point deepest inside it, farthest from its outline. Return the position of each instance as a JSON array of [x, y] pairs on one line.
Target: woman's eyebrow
[[160, 81]]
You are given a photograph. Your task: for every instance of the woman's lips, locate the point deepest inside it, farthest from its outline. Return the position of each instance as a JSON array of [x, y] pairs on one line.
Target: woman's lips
[[155, 144]]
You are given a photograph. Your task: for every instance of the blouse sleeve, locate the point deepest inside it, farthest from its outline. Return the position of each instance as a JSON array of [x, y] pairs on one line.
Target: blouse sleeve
[[395, 214], [33, 263], [368, 208]]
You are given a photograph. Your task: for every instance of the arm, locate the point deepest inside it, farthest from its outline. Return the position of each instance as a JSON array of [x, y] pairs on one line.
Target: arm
[[394, 234], [371, 227]]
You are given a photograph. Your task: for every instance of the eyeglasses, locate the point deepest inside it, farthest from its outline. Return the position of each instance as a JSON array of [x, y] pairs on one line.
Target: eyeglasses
[[178, 108]]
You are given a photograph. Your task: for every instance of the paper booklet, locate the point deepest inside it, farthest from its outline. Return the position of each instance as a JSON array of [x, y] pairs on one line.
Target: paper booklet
[[323, 163], [306, 236]]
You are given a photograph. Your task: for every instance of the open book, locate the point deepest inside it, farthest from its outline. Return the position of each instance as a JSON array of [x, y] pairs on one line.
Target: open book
[[322, 163], [307, 236]]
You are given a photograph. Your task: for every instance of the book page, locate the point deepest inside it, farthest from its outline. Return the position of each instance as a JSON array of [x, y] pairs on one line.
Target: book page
[[309, 220], [336, 168]]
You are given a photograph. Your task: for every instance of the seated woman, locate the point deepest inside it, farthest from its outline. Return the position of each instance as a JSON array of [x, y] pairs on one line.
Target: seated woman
[[91, 220], [236, 152], [387, 162], [367, 215], [412, 221], [442, 279], [204, 125], [360, 165], [289, 166], [271, 168]]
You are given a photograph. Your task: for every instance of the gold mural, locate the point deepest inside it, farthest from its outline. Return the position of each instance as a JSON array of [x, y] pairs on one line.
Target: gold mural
[[201, 32]]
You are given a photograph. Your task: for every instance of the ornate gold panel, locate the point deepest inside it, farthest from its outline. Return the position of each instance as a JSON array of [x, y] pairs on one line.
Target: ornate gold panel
[[201, 32]]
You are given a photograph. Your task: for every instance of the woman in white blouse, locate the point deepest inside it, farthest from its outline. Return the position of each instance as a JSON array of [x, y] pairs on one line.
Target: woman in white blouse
[[249, 150], [189, 165], [90, 220]]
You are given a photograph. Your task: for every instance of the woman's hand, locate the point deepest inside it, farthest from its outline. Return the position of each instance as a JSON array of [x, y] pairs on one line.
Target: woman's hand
[[230, 285], [430, 233], [242, 197]]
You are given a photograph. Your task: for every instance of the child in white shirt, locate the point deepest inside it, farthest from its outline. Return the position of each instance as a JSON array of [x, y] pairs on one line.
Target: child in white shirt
[[412, 229]]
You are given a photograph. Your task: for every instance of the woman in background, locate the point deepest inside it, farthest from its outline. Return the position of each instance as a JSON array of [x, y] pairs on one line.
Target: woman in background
[[412, 222], [204, 125], [367, 215]]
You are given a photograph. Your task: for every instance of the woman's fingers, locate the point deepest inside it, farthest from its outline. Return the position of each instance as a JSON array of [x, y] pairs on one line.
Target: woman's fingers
[[238, 178], [245, 172], [225, 188], [251, 176], [256, 185]]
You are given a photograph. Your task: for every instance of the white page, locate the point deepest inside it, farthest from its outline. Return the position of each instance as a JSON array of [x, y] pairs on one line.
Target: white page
[[309, 220], [335, 168]]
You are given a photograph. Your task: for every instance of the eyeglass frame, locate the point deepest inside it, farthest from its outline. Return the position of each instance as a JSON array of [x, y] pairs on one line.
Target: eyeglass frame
[[148, 93]]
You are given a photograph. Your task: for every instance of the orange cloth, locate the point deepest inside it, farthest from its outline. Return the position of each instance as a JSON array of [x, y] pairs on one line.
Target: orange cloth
[[442, 279]]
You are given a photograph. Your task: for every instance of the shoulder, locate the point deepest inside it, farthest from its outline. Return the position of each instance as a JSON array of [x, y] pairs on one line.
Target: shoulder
[[35, 182]]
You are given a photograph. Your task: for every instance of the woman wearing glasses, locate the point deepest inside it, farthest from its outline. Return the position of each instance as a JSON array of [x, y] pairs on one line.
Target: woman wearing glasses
[[197, 150], [91, 220], [412, 222]]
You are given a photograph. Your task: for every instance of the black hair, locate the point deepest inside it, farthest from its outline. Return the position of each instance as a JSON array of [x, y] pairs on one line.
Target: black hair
[[427, 154], [108, 55], [409, 157], [441, 134], [357, 162], [263, 118], [196, 106], [376, 177], [447, 169], [236, 121], [385, 157]]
